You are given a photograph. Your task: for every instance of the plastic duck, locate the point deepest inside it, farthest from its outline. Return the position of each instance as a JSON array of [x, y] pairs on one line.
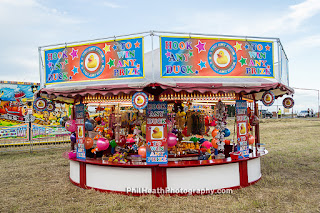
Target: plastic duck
[[268, 98], [222, 58], [80, 132], [157, 133], [92, 62], [242, 129], [139, 100]]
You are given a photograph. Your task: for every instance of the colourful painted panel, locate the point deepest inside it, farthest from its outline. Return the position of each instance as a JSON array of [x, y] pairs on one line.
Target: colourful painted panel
[[109, 60], [204, 58], [17, 91], [242, 128], [156, 133]]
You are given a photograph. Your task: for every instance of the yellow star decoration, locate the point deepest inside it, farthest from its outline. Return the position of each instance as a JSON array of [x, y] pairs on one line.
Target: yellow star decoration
[[237, 46], [106, 48]]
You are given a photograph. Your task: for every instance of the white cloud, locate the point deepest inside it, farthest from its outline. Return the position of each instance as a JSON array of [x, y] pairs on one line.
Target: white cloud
[[261, 23], [25, 26], [111, 4], [294, 19]]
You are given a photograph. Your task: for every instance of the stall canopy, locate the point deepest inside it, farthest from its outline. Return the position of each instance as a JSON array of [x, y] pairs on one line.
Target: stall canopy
[[177, 61]]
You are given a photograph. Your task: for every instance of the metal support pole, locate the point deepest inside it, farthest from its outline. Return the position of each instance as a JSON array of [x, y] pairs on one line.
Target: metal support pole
[[40, 69], [318, 105], [257, 127], [151, 33]]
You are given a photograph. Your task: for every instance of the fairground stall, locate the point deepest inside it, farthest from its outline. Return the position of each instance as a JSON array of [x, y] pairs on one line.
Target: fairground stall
[[150, 112]]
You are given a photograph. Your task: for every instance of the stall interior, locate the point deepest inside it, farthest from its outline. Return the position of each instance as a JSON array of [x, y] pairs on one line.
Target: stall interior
[[198, 126]]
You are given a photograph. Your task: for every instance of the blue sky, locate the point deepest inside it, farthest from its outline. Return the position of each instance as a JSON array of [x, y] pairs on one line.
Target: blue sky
[[28, 24]]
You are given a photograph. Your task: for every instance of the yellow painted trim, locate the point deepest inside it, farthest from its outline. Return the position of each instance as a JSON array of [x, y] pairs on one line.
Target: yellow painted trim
[[91, 43], [160, 58], [217, 77], [216, 38]]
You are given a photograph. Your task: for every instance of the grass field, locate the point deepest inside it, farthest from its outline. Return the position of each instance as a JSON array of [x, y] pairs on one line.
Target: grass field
[[39, 182]]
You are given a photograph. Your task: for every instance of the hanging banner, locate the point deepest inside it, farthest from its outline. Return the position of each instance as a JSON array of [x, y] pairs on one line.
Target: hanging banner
[[242, 128], [288, 103], [183, 57], [79, 117], [139, 100], [108, 60], [268, 98], [156, 133]]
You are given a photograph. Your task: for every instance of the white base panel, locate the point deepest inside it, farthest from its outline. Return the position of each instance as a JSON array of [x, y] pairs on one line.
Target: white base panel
[[118, 178], [75, 171], [204, 177], [254, 169]]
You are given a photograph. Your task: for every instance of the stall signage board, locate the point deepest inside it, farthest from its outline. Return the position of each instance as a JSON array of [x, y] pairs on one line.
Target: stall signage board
[[156, 133], [79, 117], [242, 128], [19, 131], [107, 60], [183, 57]]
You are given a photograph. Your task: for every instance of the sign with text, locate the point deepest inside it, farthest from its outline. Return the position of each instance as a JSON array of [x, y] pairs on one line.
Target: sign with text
[[156, 133], [183, 57], [108, 60], [79, 117], [242, 128], [15, 132]]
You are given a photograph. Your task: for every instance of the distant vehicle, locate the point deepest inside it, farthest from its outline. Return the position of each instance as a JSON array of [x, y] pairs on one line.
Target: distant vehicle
[[265, 113], [303, 114]]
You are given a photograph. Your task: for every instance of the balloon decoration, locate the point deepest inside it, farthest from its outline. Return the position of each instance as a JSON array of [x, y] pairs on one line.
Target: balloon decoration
[[113, 143], [72, 155], [71, 125], [122, 140], [214, 133], [207, 144], [88, 143], [214, 142], [194, 139], [226, 132], [142, 151], [130, 140], [88, 125], [202, 140], [251, 139], [102, 144], [73, 137], [172, 140]]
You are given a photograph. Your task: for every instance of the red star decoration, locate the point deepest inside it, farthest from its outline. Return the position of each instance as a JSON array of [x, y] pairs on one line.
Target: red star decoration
[[137, 44], [268, 47]]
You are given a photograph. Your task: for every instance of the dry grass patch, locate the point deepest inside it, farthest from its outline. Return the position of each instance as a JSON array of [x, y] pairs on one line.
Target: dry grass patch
[[39, 182]]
